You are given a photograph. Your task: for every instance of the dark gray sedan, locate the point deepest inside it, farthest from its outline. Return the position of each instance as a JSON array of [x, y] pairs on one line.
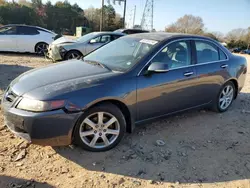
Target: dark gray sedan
[[94, 101]]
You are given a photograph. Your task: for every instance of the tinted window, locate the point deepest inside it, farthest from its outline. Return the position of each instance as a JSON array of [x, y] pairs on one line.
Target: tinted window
[[206, 52], [8, 30], [222, 55], [105, 39], [176, 54], [27, 31]]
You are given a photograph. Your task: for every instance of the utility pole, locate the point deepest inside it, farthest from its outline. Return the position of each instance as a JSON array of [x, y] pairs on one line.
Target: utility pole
[[102, 15], [124, 13], [134, 16]]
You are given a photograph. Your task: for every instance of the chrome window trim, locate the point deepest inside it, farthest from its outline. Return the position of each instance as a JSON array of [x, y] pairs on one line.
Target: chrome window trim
[[191, 65]]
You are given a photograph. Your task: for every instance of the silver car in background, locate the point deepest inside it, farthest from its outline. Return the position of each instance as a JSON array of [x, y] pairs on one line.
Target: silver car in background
[[66, 48]]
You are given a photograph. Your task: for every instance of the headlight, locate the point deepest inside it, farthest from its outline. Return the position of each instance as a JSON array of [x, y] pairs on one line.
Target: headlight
[[39, 106]]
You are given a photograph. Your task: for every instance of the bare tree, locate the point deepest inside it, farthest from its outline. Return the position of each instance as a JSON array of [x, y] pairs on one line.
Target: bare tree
[[236, 35], [187, 24]]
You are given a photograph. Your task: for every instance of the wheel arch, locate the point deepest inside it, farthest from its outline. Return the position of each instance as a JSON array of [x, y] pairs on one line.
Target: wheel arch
[[121, 105], [236, 84], [41, 42], [72, 50]]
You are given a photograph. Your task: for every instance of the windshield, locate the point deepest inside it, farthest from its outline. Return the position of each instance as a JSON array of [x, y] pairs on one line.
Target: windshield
[[121, 54], [86, 37], [7, 30]]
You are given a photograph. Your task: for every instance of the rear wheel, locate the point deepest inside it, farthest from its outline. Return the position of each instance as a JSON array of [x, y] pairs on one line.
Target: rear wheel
[[225, 97], [73, 55], [101, 128], [41, 48]]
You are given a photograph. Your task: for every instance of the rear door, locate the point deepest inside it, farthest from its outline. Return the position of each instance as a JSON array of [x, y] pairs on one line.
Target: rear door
[[27, 38], [211, 69], [8, 38]]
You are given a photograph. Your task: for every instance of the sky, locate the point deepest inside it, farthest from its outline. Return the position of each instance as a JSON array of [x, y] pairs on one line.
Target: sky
[[218, 15]]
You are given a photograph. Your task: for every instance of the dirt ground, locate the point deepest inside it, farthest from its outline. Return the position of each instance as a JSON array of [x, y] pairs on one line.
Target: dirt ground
[[202, 149]]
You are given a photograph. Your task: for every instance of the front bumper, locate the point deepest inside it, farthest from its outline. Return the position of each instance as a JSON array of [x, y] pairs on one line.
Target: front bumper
[[52, 128], [54, 54]]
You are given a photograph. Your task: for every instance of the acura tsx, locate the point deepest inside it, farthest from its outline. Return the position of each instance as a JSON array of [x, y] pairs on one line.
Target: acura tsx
[[93, 102]]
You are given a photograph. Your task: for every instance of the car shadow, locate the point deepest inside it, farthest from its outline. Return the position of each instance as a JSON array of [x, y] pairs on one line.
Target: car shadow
[[198, 146], [7, 181], [25, 54], [8, 73]]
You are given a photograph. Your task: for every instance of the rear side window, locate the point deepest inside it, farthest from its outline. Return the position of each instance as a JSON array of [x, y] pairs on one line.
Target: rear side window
[[27, 31], [206, 52], [222, 55]]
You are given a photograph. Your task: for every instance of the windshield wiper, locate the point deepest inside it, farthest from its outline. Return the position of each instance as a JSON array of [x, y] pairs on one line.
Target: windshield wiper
[[97, 63]]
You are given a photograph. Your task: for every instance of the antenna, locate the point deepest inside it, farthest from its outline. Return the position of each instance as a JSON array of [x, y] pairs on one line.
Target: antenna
[[147, 21]]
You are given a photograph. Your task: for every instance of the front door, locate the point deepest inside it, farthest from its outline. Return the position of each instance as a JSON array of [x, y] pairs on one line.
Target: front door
[[163, 93]]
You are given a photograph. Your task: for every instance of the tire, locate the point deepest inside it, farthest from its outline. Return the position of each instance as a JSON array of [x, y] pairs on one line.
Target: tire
[[41, 48], [109, 111], [73, 54], [217, 105]]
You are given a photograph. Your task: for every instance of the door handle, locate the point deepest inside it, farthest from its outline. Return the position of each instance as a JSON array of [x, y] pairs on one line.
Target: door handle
[[188, 73], [224, 66]]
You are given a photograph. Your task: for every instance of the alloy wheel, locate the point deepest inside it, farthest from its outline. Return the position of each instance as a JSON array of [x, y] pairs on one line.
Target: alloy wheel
[[73, 56], [226, 97], [41, 48], [99, 130]]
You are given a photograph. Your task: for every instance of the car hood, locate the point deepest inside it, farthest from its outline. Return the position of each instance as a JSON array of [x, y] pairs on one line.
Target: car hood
[[63, 40], [69, 75]]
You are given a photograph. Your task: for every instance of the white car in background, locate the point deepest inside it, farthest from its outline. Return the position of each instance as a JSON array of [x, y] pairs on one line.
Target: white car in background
[[24, 38]]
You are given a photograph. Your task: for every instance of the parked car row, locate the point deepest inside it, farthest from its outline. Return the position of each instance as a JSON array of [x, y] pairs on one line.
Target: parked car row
[[33, 39]]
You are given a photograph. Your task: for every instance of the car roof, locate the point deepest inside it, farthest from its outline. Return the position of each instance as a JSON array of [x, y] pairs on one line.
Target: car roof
[[31, 26], [129, 29], [108, 32], [162, 36]]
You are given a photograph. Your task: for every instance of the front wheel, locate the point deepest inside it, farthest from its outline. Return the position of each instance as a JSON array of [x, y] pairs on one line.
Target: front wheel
[[101, 128], [225, 97], [73, 55]]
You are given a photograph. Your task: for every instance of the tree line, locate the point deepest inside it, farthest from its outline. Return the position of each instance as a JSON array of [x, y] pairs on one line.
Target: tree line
[[195, 25], [59, 17]]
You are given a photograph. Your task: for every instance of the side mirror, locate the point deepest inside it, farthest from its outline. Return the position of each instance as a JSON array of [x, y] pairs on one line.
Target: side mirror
[[158, 67], [92, 41]]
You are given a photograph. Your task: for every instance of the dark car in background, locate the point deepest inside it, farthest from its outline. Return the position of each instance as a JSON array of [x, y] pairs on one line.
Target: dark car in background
[[131, 31], [236, 50], [92, 102]]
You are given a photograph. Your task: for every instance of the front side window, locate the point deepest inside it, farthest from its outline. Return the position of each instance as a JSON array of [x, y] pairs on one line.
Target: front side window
[[8, 30], [176, 55], [123, 53], [206, 52]]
